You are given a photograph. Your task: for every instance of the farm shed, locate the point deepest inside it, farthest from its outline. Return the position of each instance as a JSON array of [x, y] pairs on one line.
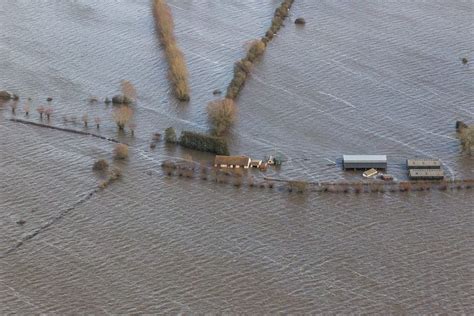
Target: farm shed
[[231, 162], [426, 174], [423, 164], [364, 161]]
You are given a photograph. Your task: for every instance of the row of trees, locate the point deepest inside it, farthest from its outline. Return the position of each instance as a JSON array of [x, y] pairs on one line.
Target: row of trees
[[256, 49], [178, 72]]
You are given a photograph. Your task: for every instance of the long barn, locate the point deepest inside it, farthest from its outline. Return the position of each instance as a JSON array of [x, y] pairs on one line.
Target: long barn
[[423, 164], [364, 161], [426, 174]]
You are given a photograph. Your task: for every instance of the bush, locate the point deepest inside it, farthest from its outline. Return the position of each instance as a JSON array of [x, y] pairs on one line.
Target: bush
[[114, 175], [297, 186], [244, 65], [405, 186], [257, 48], [222, 114], [203, 142], [170, 135], [100, 165], [121, 151]]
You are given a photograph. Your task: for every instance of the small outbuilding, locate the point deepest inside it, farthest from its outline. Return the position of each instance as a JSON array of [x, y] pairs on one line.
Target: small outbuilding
[[255, 163], [423, 164], [232, 162], [364, 162], [426, 174], [370, 173]]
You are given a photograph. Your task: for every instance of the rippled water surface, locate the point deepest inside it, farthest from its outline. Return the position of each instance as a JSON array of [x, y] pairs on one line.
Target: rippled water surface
[[382, 77]]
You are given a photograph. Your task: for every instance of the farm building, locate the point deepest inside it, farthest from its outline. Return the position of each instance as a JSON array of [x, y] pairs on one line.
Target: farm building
[[364, 161], [231, 162], [426, 174], [423, 164]]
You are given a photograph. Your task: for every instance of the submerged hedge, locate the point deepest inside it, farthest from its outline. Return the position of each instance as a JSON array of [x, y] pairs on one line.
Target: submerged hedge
[[202, 142], [178, 72], [242, 67]]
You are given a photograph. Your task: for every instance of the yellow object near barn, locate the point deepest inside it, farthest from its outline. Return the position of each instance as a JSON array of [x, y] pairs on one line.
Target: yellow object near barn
[[370, 173]]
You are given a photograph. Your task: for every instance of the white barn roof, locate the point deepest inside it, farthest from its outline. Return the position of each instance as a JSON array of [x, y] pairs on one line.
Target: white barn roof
[[364, 158]]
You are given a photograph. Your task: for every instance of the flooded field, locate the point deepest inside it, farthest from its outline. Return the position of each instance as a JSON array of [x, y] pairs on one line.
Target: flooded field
[[367, 77]]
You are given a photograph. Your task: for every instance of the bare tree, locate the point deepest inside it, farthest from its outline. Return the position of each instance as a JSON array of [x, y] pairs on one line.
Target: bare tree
[[128, 90], [26, 107], [222, 114]]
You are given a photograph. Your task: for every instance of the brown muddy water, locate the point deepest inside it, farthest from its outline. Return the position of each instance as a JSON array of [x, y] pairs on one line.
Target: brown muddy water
[[360, 77]]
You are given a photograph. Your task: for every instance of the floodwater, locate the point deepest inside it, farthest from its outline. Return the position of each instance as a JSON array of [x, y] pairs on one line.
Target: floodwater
[[381, 77]]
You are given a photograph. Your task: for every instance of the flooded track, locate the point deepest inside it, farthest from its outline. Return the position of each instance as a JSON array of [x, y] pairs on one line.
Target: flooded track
[[365, 77]]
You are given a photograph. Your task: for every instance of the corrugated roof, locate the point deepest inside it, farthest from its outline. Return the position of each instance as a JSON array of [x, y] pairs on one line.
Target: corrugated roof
[[364, 158], [232, 160], [426, 173], [423, 163]]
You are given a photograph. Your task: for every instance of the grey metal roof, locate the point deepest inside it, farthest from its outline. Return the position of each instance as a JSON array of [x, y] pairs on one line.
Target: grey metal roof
[[364, 158]]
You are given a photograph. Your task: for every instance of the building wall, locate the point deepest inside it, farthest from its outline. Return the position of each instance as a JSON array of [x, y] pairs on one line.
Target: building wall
[[353, 165]]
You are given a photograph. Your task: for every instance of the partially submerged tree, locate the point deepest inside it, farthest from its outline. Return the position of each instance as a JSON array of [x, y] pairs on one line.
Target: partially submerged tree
[[40, 110], [122, 116], [467, 139], [48, 111], [26, 107], [128, 90], [132, 127], [85, 119], [13, 106], [222, 114], [97, 122]]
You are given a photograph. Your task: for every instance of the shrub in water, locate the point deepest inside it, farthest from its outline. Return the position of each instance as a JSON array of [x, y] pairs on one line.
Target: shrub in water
[[121, 151], [100, 165], [203, 142], [297, 186], [170, 135]]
